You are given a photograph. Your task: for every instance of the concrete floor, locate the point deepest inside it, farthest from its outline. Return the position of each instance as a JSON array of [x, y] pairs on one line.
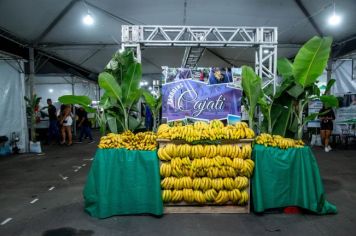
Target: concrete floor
[[59, 212]]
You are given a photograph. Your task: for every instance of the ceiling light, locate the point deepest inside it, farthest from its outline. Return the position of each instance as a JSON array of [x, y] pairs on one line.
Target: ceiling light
[[50, 90], [265, 51], [150, 88], [334, 19], [88, 19]]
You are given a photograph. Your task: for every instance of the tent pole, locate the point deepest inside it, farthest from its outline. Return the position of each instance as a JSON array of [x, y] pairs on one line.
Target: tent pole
[[31, 77]]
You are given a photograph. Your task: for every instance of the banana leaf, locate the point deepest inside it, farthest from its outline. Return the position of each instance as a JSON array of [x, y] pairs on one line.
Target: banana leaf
[[311, 60], [111, 86], [281, 121], [295, 91], [131, 91], [252, 87], [329, 85], [83, 101], [329, 101], [284, 68], [286, 84]]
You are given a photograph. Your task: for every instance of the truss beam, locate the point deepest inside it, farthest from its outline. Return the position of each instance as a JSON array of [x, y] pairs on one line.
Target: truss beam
[[198, 36]]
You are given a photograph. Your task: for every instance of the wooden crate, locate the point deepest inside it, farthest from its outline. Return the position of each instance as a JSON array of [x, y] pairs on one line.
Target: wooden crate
[[208, 208]]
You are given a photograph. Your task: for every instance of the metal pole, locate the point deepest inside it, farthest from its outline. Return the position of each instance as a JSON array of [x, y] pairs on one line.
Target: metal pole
[[31, 76]]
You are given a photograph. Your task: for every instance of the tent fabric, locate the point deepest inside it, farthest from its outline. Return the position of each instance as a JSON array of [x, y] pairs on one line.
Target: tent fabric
[[12, 103], [123, 182], [288, 177], [342, 70]]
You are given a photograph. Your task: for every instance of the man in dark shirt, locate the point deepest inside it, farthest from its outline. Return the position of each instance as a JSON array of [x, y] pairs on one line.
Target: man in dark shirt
[[84, 125], [53, 131]]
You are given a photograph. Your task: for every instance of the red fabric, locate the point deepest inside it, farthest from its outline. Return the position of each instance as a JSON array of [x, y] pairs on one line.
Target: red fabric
[[292, 210]]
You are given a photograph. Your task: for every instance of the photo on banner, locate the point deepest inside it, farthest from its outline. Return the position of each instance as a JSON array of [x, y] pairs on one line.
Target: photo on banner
[[204, 94]]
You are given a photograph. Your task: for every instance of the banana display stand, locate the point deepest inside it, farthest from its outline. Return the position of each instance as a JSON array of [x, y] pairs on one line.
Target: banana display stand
[[288, 177], [208, 178]]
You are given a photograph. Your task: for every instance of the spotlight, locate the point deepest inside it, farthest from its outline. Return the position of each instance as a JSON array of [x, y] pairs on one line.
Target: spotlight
[[334, 19], [88, 19], [265, 51], [150, 88], [50, 90]]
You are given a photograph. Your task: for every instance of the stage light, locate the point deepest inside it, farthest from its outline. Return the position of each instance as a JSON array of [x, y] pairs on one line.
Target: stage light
[[88, 19]]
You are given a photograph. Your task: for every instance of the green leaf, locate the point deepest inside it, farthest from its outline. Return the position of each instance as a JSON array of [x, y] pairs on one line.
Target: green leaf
[[251, 85], [131, 81], [311, 60], [310, 117], [108, 82], [284, 67], [329, 85], [83, 101], [329, 101], [75, 99], [150, 99], [111, 121], [281, 122], [287, 82], [296, 91], [268, 90]]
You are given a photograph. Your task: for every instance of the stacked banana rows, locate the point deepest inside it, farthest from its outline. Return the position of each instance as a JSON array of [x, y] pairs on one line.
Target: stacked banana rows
[[129, 140], [278, 141], [215, 130], [201, 174]]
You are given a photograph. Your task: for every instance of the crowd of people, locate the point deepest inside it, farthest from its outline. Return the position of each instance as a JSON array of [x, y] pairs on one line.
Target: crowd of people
[[60, 124]]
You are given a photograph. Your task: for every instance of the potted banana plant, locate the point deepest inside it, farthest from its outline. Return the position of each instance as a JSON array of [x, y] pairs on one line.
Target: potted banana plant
[[32, 107]]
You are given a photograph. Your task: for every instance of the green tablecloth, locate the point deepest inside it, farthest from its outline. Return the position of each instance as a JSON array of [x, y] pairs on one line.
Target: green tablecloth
[[287, 178], [123, 182]]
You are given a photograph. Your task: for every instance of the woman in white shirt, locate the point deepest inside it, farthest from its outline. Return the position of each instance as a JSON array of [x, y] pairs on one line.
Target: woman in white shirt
[[66, 122]]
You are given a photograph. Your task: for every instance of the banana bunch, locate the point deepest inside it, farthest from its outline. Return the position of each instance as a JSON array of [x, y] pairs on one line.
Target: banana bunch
[[200, 130], [163, 131], [278, 141], [189, 195], [130, 141], [216, 124], [170, 151], [177, 183]]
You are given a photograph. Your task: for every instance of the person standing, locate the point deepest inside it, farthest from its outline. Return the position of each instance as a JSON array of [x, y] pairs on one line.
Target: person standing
[[53, 131], [66, 122], [326, 126], [84, 125]]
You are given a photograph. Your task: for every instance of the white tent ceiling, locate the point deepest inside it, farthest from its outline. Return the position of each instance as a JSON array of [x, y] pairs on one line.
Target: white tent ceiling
[[56, 26]]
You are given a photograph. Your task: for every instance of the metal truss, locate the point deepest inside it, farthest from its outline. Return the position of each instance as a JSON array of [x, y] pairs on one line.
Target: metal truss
[[196, 38]]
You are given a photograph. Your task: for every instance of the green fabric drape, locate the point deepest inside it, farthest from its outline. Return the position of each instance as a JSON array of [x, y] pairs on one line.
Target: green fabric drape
[[122, 182], [288, 178]]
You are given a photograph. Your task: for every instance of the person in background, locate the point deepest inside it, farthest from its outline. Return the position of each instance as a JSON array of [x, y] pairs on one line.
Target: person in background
[[326, 126], [53, 131], [66, 122], [84, 125]]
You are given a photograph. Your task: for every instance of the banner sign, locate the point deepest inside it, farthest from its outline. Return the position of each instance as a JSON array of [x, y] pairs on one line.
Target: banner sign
[[190, 99], [346, 115]]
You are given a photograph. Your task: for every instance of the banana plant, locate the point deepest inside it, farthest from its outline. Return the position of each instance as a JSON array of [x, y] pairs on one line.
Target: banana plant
[[154, 105], [283, 111], [31, 106], [252, 88], [120, 80]]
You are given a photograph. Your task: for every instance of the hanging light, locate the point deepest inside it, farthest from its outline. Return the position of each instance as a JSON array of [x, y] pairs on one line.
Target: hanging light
[[88, 19], [334, 19], [265, 51]]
